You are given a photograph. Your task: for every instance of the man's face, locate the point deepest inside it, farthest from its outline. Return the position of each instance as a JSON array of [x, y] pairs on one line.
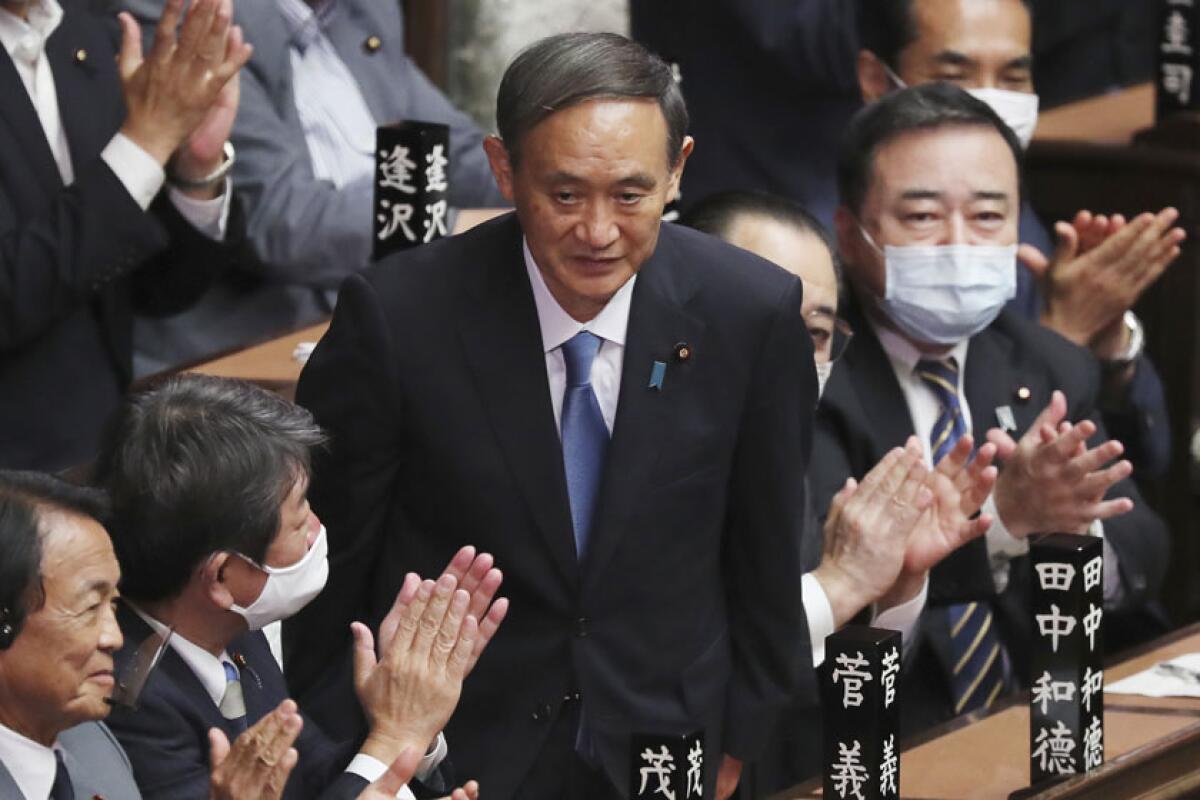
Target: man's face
[[976, 44], [950, 185], [298, 529], [589, 189], [805, 256], [59, 670]]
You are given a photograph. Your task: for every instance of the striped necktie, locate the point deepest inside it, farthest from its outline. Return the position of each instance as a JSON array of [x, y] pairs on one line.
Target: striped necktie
[[978, 671], [584, 435]]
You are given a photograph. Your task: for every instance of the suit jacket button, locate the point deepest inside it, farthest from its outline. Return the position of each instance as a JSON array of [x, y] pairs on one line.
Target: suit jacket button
[[542, 712], [581, 627]]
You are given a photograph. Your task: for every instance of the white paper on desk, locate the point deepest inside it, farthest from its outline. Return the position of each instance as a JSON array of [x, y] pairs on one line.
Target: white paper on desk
[[303, 351], [1178, 677]]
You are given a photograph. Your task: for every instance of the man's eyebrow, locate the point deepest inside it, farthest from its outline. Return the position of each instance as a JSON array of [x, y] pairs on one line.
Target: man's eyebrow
[[639, 180], [953, 58], [830, 310], [922, 194], [988, 195], [1021, 62]]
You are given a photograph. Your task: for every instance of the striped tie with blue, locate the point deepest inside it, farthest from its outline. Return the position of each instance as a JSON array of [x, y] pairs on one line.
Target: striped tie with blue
[[977, 674]]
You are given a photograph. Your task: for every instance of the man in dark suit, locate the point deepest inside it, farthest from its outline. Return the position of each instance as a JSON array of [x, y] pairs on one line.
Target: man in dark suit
[[87, 229], [617, 408], [928, 230], [216, 540]]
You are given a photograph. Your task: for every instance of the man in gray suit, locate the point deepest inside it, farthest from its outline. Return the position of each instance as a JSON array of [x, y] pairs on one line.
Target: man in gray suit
[[323, 75], [58, 634]]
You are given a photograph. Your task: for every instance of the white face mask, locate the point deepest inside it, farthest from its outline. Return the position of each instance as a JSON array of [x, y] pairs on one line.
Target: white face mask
[[945, 294], [1019, 110], [824, 369], [288, 589]]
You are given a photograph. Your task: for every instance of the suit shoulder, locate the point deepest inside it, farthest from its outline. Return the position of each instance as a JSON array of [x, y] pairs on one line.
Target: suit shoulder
[[738, 277]]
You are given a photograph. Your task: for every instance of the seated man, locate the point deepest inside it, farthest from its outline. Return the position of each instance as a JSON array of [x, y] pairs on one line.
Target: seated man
[[216, 539], [882, 537], [88, 232], [58, 633], [1101, 264], [928, 231], [323, 76]]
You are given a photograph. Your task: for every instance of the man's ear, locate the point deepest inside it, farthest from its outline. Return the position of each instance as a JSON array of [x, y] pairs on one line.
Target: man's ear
[[873, 80], [212, 578], [677, 171], [501, 164]]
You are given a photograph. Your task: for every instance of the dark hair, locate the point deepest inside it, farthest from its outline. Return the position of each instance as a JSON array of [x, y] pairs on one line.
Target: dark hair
[[195, 466], [887, 27], [716, 214], [24, 497], [564, 70], [925, 107]]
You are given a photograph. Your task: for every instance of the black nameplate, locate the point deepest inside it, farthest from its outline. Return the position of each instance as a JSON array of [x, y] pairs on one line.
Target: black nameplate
[[1066, 715], [670, 767], [860, 685], [1176, 46], [412, 179]]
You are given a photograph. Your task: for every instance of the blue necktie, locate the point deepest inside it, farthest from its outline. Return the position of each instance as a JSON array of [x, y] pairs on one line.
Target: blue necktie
[[62, 788], [977, 675], [584, 435], [233, 703]]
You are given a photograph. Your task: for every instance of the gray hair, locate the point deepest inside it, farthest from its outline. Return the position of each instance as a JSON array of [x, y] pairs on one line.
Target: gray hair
[[564, 70]]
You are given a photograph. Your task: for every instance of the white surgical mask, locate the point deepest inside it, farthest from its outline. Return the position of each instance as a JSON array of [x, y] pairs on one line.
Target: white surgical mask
[[288, 589], [823, 371], [1019, 110], [945, 294]]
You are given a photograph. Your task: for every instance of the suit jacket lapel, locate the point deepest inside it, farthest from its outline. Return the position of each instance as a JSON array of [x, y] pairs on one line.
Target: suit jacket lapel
[[76, 83], [658, 320], [348, 33], [874, 384], [265, 29], [992, 380], [503, 345], [8, 787]]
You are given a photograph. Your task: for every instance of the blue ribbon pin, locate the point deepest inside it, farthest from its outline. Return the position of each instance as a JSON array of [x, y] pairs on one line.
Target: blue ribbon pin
[[657, 372]]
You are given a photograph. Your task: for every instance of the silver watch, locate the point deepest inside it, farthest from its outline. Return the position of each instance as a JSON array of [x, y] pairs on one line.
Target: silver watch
[[212, 178], [1133, 350]]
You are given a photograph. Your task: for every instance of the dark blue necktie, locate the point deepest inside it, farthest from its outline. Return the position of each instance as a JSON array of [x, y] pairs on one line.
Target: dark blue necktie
[[62, 788], [584, 435], [977, 674]]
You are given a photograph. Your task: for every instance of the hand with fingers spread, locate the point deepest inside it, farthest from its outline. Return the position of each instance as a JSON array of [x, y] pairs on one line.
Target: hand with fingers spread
[[401, 772], [176, 91], [260, 760], [1101, 266], [959, 485], [411, 688], [1051, 481], [477, 576], [867, 532]]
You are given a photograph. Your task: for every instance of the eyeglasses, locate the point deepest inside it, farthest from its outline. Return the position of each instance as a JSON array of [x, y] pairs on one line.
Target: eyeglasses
[[831, 334], [133, 678]]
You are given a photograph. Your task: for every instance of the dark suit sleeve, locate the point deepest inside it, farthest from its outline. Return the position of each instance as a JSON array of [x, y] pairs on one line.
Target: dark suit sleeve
[[1141, 422], [762, 547], [351, 388]]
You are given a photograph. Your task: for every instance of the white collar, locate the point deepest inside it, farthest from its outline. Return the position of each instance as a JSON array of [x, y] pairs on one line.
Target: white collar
[[208, 669], [24, 41], [30, 764], [904, 355], [611, 324]]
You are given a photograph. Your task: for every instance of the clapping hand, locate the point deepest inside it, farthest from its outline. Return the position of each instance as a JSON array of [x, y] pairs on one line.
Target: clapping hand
[[260, 760]]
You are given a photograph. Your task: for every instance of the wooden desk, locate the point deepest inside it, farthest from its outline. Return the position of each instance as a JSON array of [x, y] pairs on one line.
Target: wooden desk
[[269, 365], [988, 757]]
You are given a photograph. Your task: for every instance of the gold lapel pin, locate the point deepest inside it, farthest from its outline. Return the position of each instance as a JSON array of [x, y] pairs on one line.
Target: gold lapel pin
[[373, 43], [683, 351], [81, 56], [1023, 394]]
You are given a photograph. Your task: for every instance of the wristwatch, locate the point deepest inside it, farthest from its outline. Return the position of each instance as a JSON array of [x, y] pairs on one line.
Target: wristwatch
[[212, 178], [1133, 350]]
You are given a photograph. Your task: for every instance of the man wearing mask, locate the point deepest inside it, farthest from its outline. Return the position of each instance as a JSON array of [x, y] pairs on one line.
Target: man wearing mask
[[215, 537], [928, 228], [1100, 264], [882, 536]]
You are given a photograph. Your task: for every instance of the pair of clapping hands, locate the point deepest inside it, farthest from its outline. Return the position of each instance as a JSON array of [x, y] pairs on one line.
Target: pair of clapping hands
[[428, 643], [883, 535]]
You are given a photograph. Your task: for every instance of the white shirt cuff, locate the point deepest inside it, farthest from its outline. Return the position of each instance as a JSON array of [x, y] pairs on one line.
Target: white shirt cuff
[[138, 171], [371, 769], [819, 614], [904, 617], [210, 217], [1002, 546]]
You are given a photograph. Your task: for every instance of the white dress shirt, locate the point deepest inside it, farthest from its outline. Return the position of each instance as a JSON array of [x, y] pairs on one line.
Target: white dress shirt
[[210, 671], [138, 172], [31, 765], [817, 610], [558, 327]]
